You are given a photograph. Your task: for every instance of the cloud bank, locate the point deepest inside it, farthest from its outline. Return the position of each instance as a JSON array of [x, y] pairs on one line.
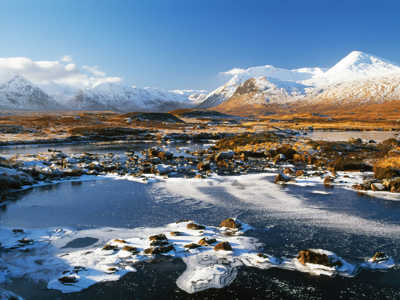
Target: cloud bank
[[63, 71]]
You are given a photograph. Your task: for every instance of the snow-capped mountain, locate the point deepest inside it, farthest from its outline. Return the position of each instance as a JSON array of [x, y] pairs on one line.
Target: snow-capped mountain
[[356, 77], [118, 97], [358, 65], [279, 77], [19, 93]]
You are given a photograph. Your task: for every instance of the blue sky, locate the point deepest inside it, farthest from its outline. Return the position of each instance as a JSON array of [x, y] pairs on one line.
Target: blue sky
[[186, 43]]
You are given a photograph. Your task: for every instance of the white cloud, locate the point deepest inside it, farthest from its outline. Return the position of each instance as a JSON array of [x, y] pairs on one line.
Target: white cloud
[[94, 70], [63, 71], [66, 58], [234, 71]]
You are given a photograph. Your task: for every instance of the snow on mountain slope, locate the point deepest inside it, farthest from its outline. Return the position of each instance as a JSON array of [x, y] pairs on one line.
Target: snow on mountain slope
[[358, 76], [359, 65], [367, 90], [19, 93], [283, 78], [115, 96]]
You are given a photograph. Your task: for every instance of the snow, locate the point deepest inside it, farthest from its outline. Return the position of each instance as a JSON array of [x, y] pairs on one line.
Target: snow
[[359, 65], [358, 76], [257, 191], [47, 256]]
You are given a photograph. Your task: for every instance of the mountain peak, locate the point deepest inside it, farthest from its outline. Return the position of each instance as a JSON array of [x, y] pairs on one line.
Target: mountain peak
[[357, 65], [18, 80]]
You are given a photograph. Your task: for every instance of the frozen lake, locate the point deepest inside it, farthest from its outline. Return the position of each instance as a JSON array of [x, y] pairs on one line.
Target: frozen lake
[[285, 219]]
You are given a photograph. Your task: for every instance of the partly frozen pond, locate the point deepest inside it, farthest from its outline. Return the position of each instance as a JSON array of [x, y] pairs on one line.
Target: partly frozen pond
[[285, 219]]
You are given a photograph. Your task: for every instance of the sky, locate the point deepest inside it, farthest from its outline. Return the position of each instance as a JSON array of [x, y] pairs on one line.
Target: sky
[[187, 44]]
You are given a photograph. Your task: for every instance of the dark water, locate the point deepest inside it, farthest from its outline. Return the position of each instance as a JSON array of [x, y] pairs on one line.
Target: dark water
[[119, 203]]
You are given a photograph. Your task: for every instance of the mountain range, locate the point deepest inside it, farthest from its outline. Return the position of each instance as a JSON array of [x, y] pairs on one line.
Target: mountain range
[[358, 77]]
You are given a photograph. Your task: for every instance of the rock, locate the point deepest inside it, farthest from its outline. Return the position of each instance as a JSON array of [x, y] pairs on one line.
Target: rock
[[360, 187], [230, 223], [159, 250], [224, 155], [131, 249], [17, 230], [195, 226], [165, 155], [377, 186], [206, 241], [355, 141], [192, 246], [279, 157], [182, 221], [309, 256], [158, 237], [280, 179], [68, 279], [159, 243], [119, 241], [328, 181], [110, 247], [203, 166], [288, 171], [223, 246], [393, 185], [379, 256], [176, 233]]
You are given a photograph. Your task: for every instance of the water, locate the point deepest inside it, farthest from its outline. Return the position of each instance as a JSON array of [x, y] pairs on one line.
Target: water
[[286, 220], [120, 203], [178, 149], [333, 136]]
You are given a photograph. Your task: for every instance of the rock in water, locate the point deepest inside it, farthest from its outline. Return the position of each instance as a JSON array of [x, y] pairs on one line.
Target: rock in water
[[309, 256], [230, 223], [223, 246]]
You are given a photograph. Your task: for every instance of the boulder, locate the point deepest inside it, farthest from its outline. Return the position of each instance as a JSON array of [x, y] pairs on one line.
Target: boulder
[[192, 246], [131, 249], [312, 257], [230, 223], [159, 250], [203, 166], [158, 237], [223, 246], [328, 180], [206, 241], [280, 179], [195, 226], [379, 256]]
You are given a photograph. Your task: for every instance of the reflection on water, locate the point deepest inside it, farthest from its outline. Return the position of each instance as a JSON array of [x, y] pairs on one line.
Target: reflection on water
[[117, 148]]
